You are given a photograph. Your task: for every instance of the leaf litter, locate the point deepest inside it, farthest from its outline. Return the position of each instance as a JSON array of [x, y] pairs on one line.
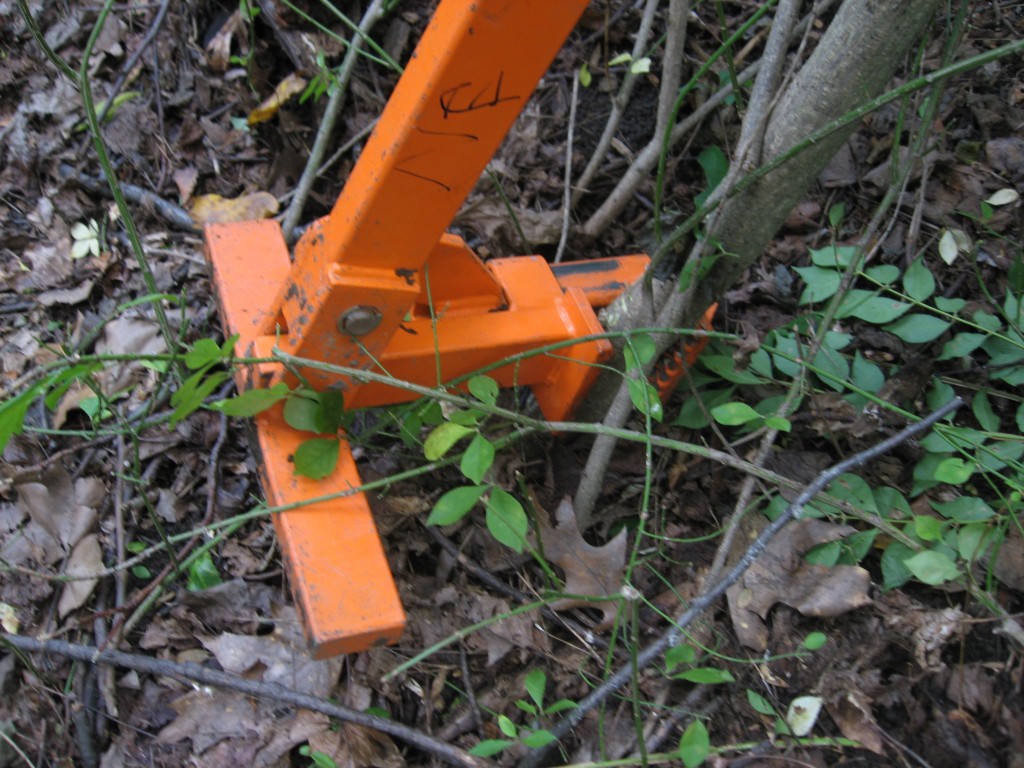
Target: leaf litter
[[900, 665]]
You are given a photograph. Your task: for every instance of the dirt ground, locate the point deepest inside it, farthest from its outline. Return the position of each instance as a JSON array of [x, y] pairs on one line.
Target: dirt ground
[[916, 676]]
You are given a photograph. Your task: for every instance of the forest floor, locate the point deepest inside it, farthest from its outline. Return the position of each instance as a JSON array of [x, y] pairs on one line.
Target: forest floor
[[909, 674]]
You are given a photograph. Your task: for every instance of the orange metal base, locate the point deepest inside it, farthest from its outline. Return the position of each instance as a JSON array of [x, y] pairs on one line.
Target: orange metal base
[[339, 574]]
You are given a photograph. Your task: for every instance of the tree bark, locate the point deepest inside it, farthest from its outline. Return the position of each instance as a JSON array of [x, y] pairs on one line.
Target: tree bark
[[852, 63]]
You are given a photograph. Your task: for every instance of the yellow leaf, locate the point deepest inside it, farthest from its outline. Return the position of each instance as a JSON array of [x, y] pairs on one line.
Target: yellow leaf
[[287, 88], [214, 209]]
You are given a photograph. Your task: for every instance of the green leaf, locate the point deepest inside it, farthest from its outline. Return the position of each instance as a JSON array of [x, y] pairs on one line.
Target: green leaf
[[918, 281], [622, 58], [300, 411], [820, 284], [194, 390], [679, 654], [759, 703], [833, 367], [442, 438], [725, 367], [535, 683], [927, 528], [690, 414], [814, 641], [316, 458], [932, 567], [779, 423], [506, 519], [918, 328], [982, 409], [894, 573], [890, 503], [490, 747], [833, 256], [866, 374], [734, 414], [477, 459], [871, 308], [585, 78], [560, 706], [961, 345], [964, 509], [330, 412], [645, 398], [826, 554], [538, 739], [884, 274], [252, 401], [695, 745], [639, 351], [836, 214], [706, 676], [484, 388], [954, 471], [715, 165], [454, 504], [203, 353], [507, 727], [972, 540], [12, 414], [202, 573], [857, 545]]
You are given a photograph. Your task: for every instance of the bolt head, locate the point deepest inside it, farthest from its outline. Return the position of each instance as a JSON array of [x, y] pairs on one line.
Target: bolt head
[[359, 321]]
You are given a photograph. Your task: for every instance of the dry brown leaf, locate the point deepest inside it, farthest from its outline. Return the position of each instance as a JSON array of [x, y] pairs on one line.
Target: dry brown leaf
[[86, 559], [185, 180], [214, 209], [781, 575], [218, 50], [290, 86], [489, 218], [66, 510], [226, 727], [282, 654], [207, 717], [851, 711], [589, 570]]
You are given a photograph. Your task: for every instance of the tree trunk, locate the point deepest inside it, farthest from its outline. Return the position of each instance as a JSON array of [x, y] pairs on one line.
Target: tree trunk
[[852, 63]]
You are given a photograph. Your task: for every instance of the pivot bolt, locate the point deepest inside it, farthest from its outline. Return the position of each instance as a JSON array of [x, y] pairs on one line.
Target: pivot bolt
[[359, 321]]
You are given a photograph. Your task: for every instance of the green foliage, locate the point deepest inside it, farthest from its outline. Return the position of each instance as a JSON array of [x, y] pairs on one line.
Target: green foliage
[[317, 759], [202, 573], [695, 745], [532, 736], [978, 460]]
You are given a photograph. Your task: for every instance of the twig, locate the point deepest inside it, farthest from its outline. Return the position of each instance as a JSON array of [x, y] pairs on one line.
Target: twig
[[173, 214], [129, 65], [323, 136], [708, 597], [619, 103], [753, 128], [647, 159], [567, 190], [272, 691]]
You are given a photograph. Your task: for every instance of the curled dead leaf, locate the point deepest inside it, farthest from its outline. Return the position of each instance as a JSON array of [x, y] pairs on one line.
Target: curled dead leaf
[[290, 86], [214, 209]]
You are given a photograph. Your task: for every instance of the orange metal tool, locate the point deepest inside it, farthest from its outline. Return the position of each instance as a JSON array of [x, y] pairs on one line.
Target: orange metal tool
[[378, 284]]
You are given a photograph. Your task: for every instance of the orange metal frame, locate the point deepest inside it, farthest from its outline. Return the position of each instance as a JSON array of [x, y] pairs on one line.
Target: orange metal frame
[[379, 284]]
